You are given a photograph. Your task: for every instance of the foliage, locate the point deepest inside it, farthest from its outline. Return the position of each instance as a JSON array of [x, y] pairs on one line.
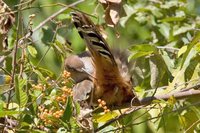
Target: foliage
[[162, 36]]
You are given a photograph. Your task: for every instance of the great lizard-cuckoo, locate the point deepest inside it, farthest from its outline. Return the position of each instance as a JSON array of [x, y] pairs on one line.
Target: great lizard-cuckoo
[[100, 71]]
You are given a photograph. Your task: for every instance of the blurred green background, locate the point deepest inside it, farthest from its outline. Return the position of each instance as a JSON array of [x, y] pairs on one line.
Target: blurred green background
[[143, 22]]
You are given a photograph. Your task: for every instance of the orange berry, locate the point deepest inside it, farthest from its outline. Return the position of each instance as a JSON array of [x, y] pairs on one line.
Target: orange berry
[[58, 98], [63, 88], [99, 100], [54, 114], [64, 96], [105, 108], [33, 85], [49, 121], [100, 105], [57, 116], [103, 103]]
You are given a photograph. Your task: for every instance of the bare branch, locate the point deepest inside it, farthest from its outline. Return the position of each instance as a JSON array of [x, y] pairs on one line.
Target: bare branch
[[48, 19], [177, 95], [148, 100], [131, 110]]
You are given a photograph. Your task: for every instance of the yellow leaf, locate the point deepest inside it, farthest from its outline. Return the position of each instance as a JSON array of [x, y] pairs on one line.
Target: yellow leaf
[[182, 50]]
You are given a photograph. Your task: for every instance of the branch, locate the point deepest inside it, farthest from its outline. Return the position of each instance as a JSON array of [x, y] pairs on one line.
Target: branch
[[177, 95], [49, 19], [148, 100], [156, 117], [131, 110]]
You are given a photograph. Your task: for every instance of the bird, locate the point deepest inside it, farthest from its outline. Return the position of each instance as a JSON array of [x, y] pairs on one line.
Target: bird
[[101, 72]]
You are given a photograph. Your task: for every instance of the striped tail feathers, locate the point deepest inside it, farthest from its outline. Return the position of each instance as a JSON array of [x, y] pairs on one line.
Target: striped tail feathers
[[112, 80], [95, 42]]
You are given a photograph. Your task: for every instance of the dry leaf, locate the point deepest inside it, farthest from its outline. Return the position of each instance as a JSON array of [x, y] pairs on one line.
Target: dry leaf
[[7, 18], [112, 11]]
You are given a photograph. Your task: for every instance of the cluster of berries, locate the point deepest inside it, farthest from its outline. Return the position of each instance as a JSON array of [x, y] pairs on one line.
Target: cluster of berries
[[39, 86], [65, 76], [64, 94], [102, 104], [47, 116]]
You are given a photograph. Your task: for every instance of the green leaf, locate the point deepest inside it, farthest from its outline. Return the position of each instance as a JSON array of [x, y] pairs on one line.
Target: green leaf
[[39, 74], [172, 19], [141, 50], [179, 30], [165, 29], [129, 10], [77, 107], [46, 71], [47, 35], [63, 16], [105, 117], [190, 46], [68, 110], [182, 51], [197, 48], [20, 94], [191, 68], [9, 113], [32, 51], [155, 72], [169, 4]]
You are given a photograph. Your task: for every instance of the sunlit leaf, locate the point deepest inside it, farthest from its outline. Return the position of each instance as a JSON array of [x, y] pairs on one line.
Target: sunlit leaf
[[129, 10], [8, 113], [68, 110], [158, 68], [32, 51], [183, 29], [197, 47], [21, 95], [141, 50], [63, 16], [182, 50], [172, 19], [164, 29], [191, 68], [190, 46], [106, 117]]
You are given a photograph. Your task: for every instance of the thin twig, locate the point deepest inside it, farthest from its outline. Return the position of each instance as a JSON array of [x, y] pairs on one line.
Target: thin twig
[[177, 95], [48, 19], [148, 100], [14, 58], [2, 58], [26, 2], [53, 40], [165, 47], [196, 122], [156, 117], [131, 110]]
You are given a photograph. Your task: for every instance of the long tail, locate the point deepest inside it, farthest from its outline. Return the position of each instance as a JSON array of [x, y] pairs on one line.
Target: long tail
[[94, 41], [110, 83]]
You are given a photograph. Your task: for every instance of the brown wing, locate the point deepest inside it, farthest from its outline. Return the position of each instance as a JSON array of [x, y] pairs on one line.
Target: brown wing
[[110, 84], [105, 64]]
